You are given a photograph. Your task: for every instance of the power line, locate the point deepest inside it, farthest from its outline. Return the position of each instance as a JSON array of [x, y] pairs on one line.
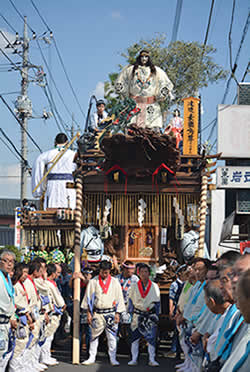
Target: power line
[[68, 79], [14, 147], [14, 64], [60, 58], [42, 19], [20, 123], [244, 33], [230, 36], [6, 144], [52, 109], [64, 125], [214, 121], [52, 79], [209, 22], [5, 20], [22, 17], [176, 20]]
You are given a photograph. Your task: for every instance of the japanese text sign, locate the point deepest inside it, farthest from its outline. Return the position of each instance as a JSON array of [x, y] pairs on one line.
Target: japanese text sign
[[233, 177], [191, 123]]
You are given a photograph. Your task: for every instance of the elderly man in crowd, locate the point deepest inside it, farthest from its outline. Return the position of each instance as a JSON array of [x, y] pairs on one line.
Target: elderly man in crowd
[[7, 306], [239, 360]]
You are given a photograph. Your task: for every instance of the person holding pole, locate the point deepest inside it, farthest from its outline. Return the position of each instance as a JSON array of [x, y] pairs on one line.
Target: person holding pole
[[56, 193]]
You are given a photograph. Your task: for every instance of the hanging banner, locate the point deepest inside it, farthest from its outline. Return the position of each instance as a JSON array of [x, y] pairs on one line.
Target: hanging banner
[[191, 124], [17, 242]]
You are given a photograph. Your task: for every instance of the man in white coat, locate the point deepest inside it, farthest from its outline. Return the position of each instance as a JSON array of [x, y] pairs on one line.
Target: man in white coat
[[104, 303], [56, 193]]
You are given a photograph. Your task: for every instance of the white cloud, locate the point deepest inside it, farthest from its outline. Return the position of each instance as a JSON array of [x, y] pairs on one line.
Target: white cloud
[[116, 14], [3, 41], [99, 90]]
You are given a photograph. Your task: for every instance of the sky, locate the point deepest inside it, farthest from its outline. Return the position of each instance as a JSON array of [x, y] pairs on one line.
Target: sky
[[90, 37]]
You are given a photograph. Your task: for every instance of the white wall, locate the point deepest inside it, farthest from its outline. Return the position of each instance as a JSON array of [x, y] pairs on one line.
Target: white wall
[[217, 218]]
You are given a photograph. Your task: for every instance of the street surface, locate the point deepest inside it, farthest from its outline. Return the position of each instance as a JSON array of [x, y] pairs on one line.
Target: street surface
[[63, 354], [102, 365]]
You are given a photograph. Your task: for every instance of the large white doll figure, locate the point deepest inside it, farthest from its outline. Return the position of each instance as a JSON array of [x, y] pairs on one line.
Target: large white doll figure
[[147, 85]]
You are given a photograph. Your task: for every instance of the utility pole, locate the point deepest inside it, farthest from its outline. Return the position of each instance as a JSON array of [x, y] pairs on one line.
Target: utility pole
[[24, 108]]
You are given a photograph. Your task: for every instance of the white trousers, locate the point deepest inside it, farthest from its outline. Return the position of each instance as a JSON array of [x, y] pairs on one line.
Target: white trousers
[[135, 351], [112, 346]]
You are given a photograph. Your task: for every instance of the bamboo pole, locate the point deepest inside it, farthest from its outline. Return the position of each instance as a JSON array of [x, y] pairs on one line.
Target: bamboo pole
[[76, 298], [203, 208]]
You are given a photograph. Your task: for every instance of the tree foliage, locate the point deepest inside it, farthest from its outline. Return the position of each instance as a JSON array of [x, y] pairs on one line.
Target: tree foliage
[[189, 65]]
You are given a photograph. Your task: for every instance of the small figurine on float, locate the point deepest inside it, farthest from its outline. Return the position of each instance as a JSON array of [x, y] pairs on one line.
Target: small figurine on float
[[175, 127], [147, 85]]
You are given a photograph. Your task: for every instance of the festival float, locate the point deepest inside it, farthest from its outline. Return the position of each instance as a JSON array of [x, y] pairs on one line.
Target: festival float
[[137, 193]]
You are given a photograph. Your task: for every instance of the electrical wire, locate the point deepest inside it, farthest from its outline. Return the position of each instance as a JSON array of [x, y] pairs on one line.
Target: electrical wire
[[6, 144], [230, 36], [42, 19], [5, 20], [53, 80], [60, 58], [234, 100], [244, 33], [21, 124], [68, 79], [52, 109], [14, 147], [16, 67], [65, 126], [176, 20], [22, 17], [209, 22]]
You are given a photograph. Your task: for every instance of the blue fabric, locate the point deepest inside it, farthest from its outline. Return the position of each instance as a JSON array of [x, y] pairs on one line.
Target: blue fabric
[[60, 177], [195, 317], [242, 359], [11, 344], [91, 302], [194, 300], [58, 310], [157, 308], [8, 285], [229, 315], [130, 306], [45, 300], [226, 348], [23, 319], [31, 336]]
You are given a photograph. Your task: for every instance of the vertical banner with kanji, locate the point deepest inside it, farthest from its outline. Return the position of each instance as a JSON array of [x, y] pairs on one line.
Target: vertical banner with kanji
[[17, 227], [191, 124]]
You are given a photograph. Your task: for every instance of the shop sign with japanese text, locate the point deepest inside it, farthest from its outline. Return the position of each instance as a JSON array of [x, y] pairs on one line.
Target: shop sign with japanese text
[[191, 124], [229, 177]]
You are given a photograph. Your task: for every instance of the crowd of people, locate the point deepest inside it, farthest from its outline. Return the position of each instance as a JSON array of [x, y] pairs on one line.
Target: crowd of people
[[212, 314], [208, 303]]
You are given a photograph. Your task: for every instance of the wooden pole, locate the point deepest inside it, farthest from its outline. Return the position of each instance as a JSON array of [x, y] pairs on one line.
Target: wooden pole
[[203, 209], [76, 298]]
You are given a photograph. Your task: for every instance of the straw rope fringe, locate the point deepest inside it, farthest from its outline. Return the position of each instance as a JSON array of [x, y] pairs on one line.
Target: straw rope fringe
[[124, 210]]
